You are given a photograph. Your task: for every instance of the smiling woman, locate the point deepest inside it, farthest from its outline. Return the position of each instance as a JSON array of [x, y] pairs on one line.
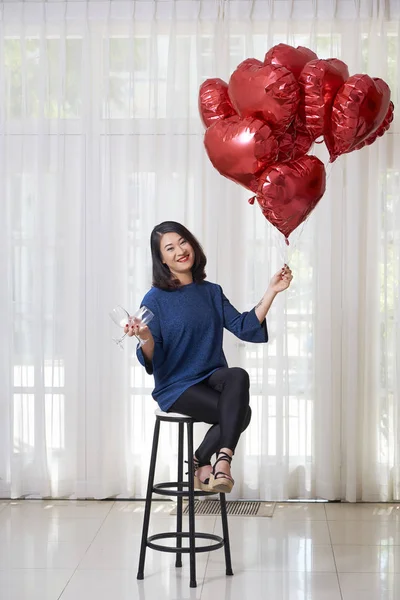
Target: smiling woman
[[183, 348], [177, 256]]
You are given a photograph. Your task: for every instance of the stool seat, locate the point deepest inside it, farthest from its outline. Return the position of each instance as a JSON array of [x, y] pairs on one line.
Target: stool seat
[[181, 489], [171, 415]]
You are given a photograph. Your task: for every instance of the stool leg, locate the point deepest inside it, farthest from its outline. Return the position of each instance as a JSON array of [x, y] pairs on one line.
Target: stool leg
[[192, 539], [178, 561], [225, 533], [150, 483]]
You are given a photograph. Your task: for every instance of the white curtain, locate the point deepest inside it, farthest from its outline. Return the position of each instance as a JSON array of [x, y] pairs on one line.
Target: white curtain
[[100, 139]]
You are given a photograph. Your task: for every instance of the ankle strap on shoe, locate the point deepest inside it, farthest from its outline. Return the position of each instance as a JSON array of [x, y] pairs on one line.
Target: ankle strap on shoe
[[197, 464], [223, 456]]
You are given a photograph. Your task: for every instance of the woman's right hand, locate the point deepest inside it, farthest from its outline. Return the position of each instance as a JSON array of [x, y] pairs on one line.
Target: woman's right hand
[[135, 328]]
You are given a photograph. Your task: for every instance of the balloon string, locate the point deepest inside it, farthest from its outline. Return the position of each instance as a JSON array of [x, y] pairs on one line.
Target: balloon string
[[282, 246], [328, 170], [286, 247]]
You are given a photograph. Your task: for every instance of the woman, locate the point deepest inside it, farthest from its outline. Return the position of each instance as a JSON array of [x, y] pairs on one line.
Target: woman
[[183, 348]]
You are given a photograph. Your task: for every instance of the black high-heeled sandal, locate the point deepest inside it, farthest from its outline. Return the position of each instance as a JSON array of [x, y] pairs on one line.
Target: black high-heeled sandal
[[198, 484], [219, 481]]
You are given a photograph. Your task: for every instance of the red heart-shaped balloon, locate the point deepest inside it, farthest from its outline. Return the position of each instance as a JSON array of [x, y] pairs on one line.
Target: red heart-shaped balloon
[[358, 110], [293, 59], [214, 103], [319, 81], [382, 129], [295, 142], [249, 62], [270, 93], [288, 192], [240, 149]]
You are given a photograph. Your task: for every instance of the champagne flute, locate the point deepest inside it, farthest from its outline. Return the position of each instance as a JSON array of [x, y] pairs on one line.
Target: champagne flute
[[121, 317]]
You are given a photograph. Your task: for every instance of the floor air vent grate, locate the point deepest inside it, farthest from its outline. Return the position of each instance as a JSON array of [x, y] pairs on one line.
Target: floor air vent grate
[[237, 508]]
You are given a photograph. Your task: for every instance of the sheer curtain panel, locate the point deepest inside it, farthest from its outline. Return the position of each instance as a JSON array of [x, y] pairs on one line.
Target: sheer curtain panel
[[100, 139]]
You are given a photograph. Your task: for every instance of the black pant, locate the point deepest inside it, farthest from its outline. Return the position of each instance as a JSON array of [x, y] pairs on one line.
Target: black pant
[[223, 400]]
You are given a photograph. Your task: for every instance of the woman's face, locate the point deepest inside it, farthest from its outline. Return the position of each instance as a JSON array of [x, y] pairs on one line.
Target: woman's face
[[176, 253]]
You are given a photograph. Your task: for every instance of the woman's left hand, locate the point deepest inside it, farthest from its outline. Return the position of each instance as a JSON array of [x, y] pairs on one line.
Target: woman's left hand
[[281, 280]]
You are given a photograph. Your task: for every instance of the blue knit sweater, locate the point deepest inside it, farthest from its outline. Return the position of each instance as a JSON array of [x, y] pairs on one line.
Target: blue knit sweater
[[188, 330]]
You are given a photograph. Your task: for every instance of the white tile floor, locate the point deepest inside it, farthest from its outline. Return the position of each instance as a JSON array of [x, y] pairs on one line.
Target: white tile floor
[[89, 551]]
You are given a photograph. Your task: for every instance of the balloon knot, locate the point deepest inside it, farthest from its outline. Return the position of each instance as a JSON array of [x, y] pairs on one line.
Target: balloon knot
[[286, 241], [252, 200]]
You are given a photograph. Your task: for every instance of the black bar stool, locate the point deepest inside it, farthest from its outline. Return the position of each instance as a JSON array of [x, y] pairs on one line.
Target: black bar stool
[[165, 490]]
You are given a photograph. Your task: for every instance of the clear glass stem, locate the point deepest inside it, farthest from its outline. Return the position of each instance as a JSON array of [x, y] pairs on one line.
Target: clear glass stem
[[119, 341]]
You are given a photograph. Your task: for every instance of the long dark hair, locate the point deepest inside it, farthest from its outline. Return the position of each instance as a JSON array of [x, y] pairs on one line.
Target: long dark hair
[[162, 276]]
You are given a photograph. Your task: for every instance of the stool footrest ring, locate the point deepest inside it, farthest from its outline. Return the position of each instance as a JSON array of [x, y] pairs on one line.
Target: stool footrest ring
[[164, 489], [184, 534]]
